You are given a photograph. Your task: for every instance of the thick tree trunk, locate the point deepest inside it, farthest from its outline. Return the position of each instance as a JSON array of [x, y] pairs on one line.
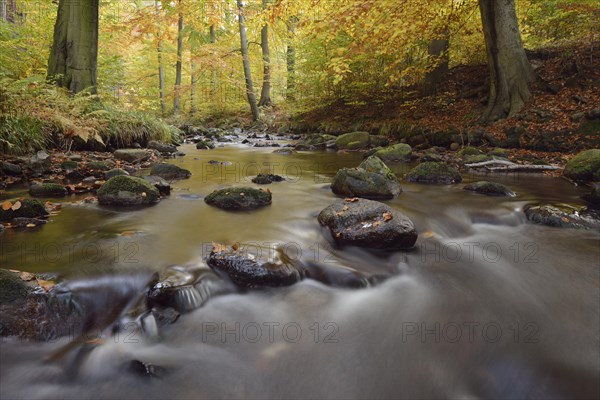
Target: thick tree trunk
[[3, 10], [246, 62], [291, 60], [194, 83], [161, 72], [178, 65], [265, 94], [213, 40], [438, 50], [510, 71], [74, 56]]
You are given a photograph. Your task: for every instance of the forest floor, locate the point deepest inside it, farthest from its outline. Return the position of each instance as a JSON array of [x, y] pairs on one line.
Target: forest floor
[[562, 116]]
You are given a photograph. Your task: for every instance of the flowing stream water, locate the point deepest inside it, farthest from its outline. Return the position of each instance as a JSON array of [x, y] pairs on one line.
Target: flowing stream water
[[487, 305]]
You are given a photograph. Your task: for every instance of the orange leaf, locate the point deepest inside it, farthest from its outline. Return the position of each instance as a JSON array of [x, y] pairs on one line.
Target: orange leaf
[[351, 200], [26, 276], [46, 285], [387, 216], [6, 205], [128, 233]]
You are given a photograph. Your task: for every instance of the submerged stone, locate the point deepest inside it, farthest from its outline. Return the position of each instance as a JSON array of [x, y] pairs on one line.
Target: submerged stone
[[265, 179]]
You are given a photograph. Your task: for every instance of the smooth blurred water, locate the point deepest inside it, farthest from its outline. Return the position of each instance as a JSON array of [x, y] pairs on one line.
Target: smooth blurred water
[[485, 306]]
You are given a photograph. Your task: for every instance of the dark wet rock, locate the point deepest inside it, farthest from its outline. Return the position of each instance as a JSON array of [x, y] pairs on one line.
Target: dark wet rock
[[368, 223], [74, 176], [165, 316], [594, 113], [12, 288], [132, 155], [563, 216], [23, 222], [145, 370], [489, 188], [378, 141], [48, 190], [162, 185], [431, 157], [185, 289], [215, 162], [513, 136], [246, 272], [205, 145], [265, 179], [115, 172], [335, 276], [585, 166], [593, 198], [69, 165], [371, 179], [397, 152], [41, 162], [99, 166], [245, 141], [162, 147], [11, 169], [285, 151], [30, 208], [353, 141], [239, 198], [313, 142], [434, 172], [170, 171], [127, 191]]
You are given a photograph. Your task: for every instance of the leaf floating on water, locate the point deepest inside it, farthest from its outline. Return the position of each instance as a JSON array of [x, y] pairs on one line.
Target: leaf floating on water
[[7, 205], [16, 206], [26, 276], [351, 199], [387, 216]]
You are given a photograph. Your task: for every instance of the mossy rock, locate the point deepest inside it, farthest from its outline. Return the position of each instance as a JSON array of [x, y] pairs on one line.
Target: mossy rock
[[353, 141], [434, 172], [115, 172], [127, 191], [585, 166], [48, 190], [99, 166], [431, 157], [379, 141], [205, 145], [563, 216], [469, 151], [12, 288], [476, 158], [30, 208], [11, 169], [396, 152], [170, 171], [372, 179], [490, 188], [239, 198], [499, 152], [69, 165]]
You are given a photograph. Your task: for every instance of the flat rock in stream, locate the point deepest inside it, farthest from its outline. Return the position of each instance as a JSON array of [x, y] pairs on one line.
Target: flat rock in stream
[[246, 272], [169, 171], [490, 188], [563, 216], [370, 224], [434, 172], [239, 198], [126, 190]]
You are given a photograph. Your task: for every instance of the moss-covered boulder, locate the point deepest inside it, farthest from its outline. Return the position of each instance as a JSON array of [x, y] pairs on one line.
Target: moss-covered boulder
[[434, 172], [314, 142], [115, 172], [353, 141], [29, 208], [239, 198], [490, 188], [397, 152], [127, 191], [48, 190], [469, 151], [132, 155], [563, 216], [265, 179], [372, 179], [585, 166], [170, 171], [378, 141], [12, 288]]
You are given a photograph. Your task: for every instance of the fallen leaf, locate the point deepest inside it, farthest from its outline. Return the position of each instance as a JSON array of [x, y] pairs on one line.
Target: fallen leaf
[[26, 276], [46, 285], [376, 223], [7, 205], [351, 199], [387, 216], [16, 206], [30, 225], [235, 246], [565, 219], [345, 208], [144, 194], [127, 233], [218, 248]]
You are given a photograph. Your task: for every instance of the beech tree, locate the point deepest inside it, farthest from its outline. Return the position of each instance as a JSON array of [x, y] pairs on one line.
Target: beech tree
[[265, 94], [178, 64], [73, 59], [510, 71], [246, 62]]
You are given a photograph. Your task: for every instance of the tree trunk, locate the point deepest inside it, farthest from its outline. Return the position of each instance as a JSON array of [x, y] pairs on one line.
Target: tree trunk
[[438, 50], [194, 83], [178, 64], [246, 61], [74, 56], [291, 60], [510, 71], [213, 40], [3, 10], [161, 72], [265, 94]]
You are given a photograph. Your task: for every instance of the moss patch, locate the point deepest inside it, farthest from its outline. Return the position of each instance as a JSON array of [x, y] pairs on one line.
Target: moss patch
[[240, 198], [584, 166], [397, 152], [434, 172], [127, 191], [48, 190], [30, 208], [11, 287]]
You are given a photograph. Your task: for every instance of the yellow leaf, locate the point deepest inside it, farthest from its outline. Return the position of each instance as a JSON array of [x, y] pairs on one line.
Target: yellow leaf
[[16, 206], [7, 205], [30, 225]]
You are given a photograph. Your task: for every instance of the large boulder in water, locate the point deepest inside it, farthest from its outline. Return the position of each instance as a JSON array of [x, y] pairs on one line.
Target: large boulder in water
[[585, 166], [397, 152], [126, 190], [239, 198], [169, 171], [371, 179], [28, 208], [563, 216], [434, 172], [367, 223], [353, 141], [246, 272], [490, 188]]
